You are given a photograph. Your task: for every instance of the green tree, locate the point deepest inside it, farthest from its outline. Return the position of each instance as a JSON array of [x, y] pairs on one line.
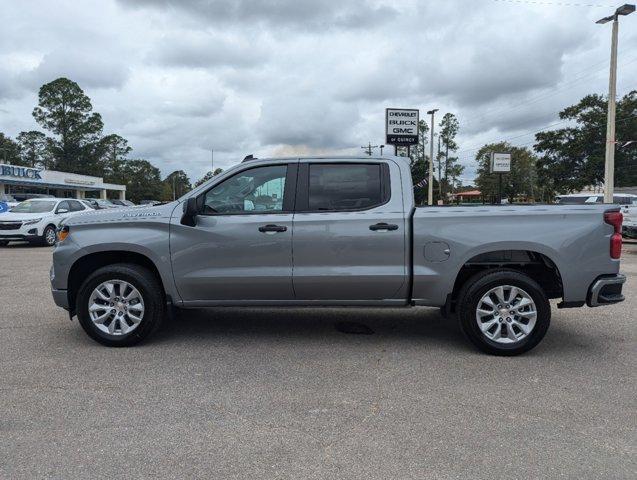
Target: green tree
[[207, 177], [175, 185], [454, 171], [419, 163], [114, 151], [449, 127], [522, 179], [9, 151], [34, 149], [143, 180], [66, 111], [572, 158]]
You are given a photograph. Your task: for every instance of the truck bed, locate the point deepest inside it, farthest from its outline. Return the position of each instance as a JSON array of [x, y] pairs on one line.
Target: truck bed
[[573, 237]]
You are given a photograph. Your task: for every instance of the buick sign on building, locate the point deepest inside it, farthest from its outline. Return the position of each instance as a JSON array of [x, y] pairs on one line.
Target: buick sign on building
[[15, 179]]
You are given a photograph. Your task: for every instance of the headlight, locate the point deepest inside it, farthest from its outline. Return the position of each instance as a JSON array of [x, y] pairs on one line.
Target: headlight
[[32, 221], [63, 233]]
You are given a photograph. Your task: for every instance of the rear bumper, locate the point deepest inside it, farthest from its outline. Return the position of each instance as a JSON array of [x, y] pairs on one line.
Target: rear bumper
[[606, 290]]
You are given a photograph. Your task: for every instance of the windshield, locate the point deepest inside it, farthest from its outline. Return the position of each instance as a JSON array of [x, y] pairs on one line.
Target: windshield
[[30, 206]]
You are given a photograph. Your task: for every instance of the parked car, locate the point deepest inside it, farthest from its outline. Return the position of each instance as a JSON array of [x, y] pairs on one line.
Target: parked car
[[8, 200], [122, 203], [100, 203], [586, 198], [88, 203], [629, 227], [36, 220], [346, 232], [21, 197]]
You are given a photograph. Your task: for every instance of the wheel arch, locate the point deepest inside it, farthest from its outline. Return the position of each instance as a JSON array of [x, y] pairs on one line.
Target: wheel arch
[[85, 265], [536, 263]]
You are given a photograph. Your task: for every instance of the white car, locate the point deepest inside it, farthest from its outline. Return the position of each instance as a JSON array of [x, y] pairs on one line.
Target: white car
[[629, 226], [36, 220], [586, 198]]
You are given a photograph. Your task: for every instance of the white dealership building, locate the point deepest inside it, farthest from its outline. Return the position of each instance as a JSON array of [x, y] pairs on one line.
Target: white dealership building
[[16, 179]]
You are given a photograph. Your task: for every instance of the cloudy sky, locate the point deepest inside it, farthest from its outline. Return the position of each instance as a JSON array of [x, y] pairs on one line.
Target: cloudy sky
[[281, 77]]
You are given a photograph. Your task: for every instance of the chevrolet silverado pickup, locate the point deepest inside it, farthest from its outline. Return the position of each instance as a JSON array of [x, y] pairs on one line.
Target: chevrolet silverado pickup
[[335, 231]]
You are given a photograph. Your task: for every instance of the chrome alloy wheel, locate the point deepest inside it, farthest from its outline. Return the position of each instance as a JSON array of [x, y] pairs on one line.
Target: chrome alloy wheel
[[49, 236], [116, 307], [506, 314]]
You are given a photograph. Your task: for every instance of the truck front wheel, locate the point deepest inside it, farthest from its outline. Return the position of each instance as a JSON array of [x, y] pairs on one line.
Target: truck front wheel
[[120, 305], [503, 312]]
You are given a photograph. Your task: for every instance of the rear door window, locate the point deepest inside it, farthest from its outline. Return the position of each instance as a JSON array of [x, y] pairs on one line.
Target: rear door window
[[338, 187], [76, 206], [63, 206]]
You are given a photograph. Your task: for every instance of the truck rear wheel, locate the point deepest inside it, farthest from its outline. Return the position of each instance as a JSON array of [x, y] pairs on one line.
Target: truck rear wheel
[[120, 305], [503, 312]]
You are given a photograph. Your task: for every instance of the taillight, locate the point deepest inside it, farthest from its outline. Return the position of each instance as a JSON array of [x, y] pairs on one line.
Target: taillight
[[615, 219]]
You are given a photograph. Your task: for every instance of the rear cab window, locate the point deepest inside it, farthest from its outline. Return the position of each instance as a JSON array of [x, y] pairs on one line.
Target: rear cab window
[[334, 187]]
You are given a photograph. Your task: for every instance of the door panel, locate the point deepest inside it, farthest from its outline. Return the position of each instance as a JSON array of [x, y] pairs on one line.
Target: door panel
[[227, 258], [240, 248], [336, 255]]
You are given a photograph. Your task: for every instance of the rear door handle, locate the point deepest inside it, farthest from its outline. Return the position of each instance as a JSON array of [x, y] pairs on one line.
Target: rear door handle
[[272, 228], [383, 227]]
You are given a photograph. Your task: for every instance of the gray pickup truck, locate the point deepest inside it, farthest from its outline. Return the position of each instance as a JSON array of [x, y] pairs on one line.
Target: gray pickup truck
[[335, 231]]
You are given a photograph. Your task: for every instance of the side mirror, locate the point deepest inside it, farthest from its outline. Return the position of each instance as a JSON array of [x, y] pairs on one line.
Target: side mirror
[[62, 210], [191, 210]]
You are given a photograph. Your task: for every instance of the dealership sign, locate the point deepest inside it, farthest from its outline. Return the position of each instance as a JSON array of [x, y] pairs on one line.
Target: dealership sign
[[401, 126], [500, 162], [21, 172]]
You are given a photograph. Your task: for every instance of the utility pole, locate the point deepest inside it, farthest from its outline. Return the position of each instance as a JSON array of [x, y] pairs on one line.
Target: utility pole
[[212, 160], [439, 169], [609, 165], [430, 193], [368, 148]]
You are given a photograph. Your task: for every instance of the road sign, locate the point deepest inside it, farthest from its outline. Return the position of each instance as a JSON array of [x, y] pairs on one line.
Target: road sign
[[500, 162], [401, 126]]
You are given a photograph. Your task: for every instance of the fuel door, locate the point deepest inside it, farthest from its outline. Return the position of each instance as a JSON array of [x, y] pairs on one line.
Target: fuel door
[[437, 251]]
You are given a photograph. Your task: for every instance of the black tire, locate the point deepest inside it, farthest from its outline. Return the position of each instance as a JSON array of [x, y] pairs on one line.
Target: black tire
[[4, 243], [47, 239], [478, 286], [148, 286]]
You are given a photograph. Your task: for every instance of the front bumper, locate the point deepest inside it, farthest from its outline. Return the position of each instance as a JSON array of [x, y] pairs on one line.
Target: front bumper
[[19, 238], [606, 290], [60, 298], [25, 232]]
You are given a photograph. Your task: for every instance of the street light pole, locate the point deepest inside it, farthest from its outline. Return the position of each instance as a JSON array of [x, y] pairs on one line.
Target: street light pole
[[609, 164], [430, 193]]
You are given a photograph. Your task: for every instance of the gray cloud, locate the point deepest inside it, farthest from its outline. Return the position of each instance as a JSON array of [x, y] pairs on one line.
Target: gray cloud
[[202, 50], [89, 69], [306, 120], [315, 14]]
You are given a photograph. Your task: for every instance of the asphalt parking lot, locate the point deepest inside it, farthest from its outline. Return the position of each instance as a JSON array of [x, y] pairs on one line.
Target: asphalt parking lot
[[283, 394]]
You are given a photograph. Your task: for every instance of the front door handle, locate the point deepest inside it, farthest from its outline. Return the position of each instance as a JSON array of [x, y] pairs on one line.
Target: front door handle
[[383, 227], [272, 228]]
